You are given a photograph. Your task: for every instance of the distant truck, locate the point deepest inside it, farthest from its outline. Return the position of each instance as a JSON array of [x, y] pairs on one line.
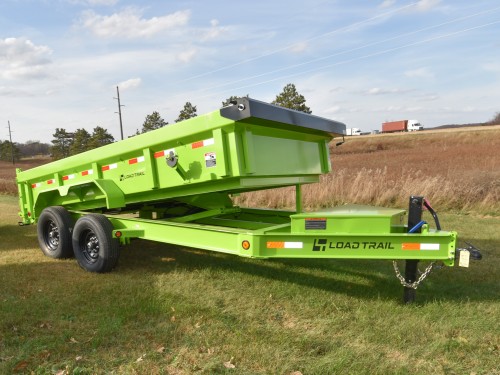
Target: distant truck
[[353, 131], [401, 126]]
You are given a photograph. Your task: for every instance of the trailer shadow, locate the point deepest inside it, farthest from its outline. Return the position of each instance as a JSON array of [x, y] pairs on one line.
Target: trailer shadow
[[14, 237], [365, 279]]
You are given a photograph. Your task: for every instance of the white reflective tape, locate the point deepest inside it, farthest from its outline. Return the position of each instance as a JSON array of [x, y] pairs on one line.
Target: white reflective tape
[[429, 246], [294, 245], [208, 142]]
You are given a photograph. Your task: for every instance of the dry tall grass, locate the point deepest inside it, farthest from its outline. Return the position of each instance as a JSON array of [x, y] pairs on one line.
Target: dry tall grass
[[8, 172], [457, 170]]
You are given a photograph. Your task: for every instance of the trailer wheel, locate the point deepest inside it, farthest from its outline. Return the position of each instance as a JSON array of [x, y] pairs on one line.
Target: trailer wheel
[[54, 232], [94, 247]]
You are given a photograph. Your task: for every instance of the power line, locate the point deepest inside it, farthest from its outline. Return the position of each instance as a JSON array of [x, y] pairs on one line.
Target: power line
[[304, 41], [349, 50], [360, 57]]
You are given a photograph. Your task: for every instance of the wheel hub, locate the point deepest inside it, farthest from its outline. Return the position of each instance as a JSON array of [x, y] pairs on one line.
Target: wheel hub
[[90, 247], [53, 235]]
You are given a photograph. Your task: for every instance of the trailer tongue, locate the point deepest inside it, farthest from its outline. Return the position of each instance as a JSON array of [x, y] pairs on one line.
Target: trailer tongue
[[175, 184]]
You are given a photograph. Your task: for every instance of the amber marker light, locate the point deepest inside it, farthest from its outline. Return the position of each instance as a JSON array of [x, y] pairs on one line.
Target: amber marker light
[[245, 245]]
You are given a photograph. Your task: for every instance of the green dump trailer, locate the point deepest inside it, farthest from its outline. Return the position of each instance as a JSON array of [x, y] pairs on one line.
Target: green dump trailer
[[175, 185]]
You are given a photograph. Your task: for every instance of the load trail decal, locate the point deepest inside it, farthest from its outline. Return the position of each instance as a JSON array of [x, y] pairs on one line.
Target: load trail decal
[[132, 175], [322, 244]]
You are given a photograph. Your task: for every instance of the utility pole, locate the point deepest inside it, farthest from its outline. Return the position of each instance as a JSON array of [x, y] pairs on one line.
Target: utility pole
[[119, 110], [11, 144]]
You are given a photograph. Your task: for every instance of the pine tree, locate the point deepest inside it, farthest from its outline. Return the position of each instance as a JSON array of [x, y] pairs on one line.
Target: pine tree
[[6, 150], [100, 137], [187, 112], [232, 98], [290, 98], [81, 141], [152, 122], [228, 101], [61, 143]]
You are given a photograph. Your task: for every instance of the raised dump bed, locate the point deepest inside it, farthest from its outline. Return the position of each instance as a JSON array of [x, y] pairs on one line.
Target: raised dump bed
[[175, 184], [248, 146]]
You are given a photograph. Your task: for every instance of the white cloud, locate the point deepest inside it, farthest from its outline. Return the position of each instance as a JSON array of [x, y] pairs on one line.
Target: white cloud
[[419, 73], [428, 98], [380, 91], [426, 5], [130, 84], [130, 24], [333, 109], [21, 58], [414, 109], [214, 31], [493, 66], [94, 2], [336, 89], [298, 47], [387, 3], [187, 55], [13, 92]]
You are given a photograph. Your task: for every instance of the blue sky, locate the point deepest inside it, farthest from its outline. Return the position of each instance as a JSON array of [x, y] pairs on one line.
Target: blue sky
[[360, 62]]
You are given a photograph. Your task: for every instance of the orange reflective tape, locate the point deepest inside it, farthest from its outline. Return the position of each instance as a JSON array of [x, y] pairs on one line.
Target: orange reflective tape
[[410, 246], [275, 245]]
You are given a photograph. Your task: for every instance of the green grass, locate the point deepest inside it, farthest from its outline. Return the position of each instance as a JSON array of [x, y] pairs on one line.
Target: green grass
[[170, 310]]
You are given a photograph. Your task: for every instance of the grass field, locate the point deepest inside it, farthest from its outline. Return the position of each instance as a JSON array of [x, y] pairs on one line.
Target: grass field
[[168, 310], [172, 310]]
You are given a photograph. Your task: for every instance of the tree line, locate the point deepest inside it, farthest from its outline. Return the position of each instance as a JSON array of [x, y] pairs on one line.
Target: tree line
[[66, 144]]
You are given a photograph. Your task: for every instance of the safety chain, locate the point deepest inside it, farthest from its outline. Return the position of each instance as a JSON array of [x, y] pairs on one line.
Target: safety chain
[[416, 283]]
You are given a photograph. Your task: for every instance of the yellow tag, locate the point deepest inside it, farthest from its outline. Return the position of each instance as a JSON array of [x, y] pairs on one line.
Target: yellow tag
[[464, 258]]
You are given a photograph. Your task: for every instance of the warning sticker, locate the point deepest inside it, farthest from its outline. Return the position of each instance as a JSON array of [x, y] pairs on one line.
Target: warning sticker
[[210, 159]]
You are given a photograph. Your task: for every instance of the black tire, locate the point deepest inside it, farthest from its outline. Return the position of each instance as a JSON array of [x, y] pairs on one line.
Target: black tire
[[94, 247], [54, 228]]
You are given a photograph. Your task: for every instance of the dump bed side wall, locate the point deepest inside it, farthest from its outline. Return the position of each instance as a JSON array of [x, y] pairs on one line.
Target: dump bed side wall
[[213, 154]]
